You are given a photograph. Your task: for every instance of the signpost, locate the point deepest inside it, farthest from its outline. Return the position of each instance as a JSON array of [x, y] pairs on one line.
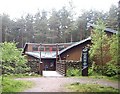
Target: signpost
[[85, 61]]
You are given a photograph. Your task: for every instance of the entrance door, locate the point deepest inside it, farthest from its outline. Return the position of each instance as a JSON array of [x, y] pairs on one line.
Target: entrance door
[[49, 65]]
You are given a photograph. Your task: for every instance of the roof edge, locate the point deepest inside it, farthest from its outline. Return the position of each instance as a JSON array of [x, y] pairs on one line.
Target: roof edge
[[75, 44]]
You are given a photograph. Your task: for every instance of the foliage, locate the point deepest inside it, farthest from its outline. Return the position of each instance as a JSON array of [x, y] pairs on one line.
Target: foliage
[[11, 85], [55, 26], [77, 87], [22, 75], [91, 69], [112, 19], [110, 69], [12, 60], [73, 72], [104, 52], [73, 67], [99, 49], [0, 84], [114, 49]]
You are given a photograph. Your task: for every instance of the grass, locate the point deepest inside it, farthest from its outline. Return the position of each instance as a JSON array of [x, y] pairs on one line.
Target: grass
[[113, 78], [0, 84], [77, 73], [26, 75], [77, 87], [11, 85], [73, 72]]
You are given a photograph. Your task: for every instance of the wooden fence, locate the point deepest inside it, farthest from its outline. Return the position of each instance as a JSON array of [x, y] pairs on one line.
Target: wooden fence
[[62, 66]]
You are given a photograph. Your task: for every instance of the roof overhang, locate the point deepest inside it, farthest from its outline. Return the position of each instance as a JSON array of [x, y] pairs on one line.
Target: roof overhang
[[44, 55]]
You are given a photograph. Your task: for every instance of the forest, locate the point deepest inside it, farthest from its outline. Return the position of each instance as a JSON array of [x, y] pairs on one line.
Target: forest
[[54, 26]]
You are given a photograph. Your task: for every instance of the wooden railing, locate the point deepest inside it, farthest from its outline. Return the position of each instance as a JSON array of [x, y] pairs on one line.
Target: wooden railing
[[61, 67]]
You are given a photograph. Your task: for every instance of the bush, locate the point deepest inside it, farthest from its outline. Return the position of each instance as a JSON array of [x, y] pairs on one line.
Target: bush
[[110, 70], [12, 60], [91, 69], [73, 72]]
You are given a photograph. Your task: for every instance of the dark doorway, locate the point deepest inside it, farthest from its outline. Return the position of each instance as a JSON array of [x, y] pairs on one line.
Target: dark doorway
[[49, 64]]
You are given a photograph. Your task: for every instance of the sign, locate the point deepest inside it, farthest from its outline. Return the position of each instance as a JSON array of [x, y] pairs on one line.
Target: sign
[[85, 61]]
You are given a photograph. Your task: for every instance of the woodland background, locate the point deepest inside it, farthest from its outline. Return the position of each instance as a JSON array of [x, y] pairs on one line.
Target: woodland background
[[54, 26]]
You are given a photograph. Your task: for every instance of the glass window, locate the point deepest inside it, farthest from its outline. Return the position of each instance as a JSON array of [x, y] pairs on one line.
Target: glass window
[[35, 48]]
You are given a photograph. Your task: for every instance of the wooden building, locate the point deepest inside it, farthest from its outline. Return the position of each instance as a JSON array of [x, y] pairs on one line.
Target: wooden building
[[74, 51], [50, 53], [45, 53]]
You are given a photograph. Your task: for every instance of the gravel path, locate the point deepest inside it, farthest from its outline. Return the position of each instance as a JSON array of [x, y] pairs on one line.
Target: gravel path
[[56, 84]]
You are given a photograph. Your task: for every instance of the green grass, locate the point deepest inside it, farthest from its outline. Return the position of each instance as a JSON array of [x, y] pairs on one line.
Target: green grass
[[77, 73], [11, 85], [77, 87], [73, 72], [26, 75], [114, 78], [0, 84]]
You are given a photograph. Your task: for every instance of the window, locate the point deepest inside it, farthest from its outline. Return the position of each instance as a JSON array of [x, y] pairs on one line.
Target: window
[[61, 48], [54, 48], [35, 48]]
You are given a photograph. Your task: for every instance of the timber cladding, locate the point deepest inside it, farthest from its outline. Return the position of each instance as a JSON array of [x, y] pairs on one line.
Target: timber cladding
[[75, 52], [30, 47]]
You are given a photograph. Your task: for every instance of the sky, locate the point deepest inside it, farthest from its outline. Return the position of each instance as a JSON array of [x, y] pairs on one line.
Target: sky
[[18, 8]]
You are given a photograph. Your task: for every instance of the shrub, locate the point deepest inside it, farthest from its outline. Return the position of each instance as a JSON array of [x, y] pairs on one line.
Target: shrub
[[91, 69], [110, 69], [12, 60], [73, 72]]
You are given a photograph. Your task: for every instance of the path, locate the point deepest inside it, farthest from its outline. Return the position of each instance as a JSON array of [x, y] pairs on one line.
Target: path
[[51, 74], [56, 84]]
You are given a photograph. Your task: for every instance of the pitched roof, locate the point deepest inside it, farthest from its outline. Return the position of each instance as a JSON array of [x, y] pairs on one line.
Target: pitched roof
[[75, 44], [49, 55], [52, 55]]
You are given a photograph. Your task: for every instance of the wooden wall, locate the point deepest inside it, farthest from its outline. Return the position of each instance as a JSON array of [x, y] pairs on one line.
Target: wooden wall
[[30, 47], [74, 53]]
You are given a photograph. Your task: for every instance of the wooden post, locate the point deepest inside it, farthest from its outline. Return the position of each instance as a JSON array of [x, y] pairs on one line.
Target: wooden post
[[40, 51], [65, 68], [41, 68], [40, 63], [56, 54]]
